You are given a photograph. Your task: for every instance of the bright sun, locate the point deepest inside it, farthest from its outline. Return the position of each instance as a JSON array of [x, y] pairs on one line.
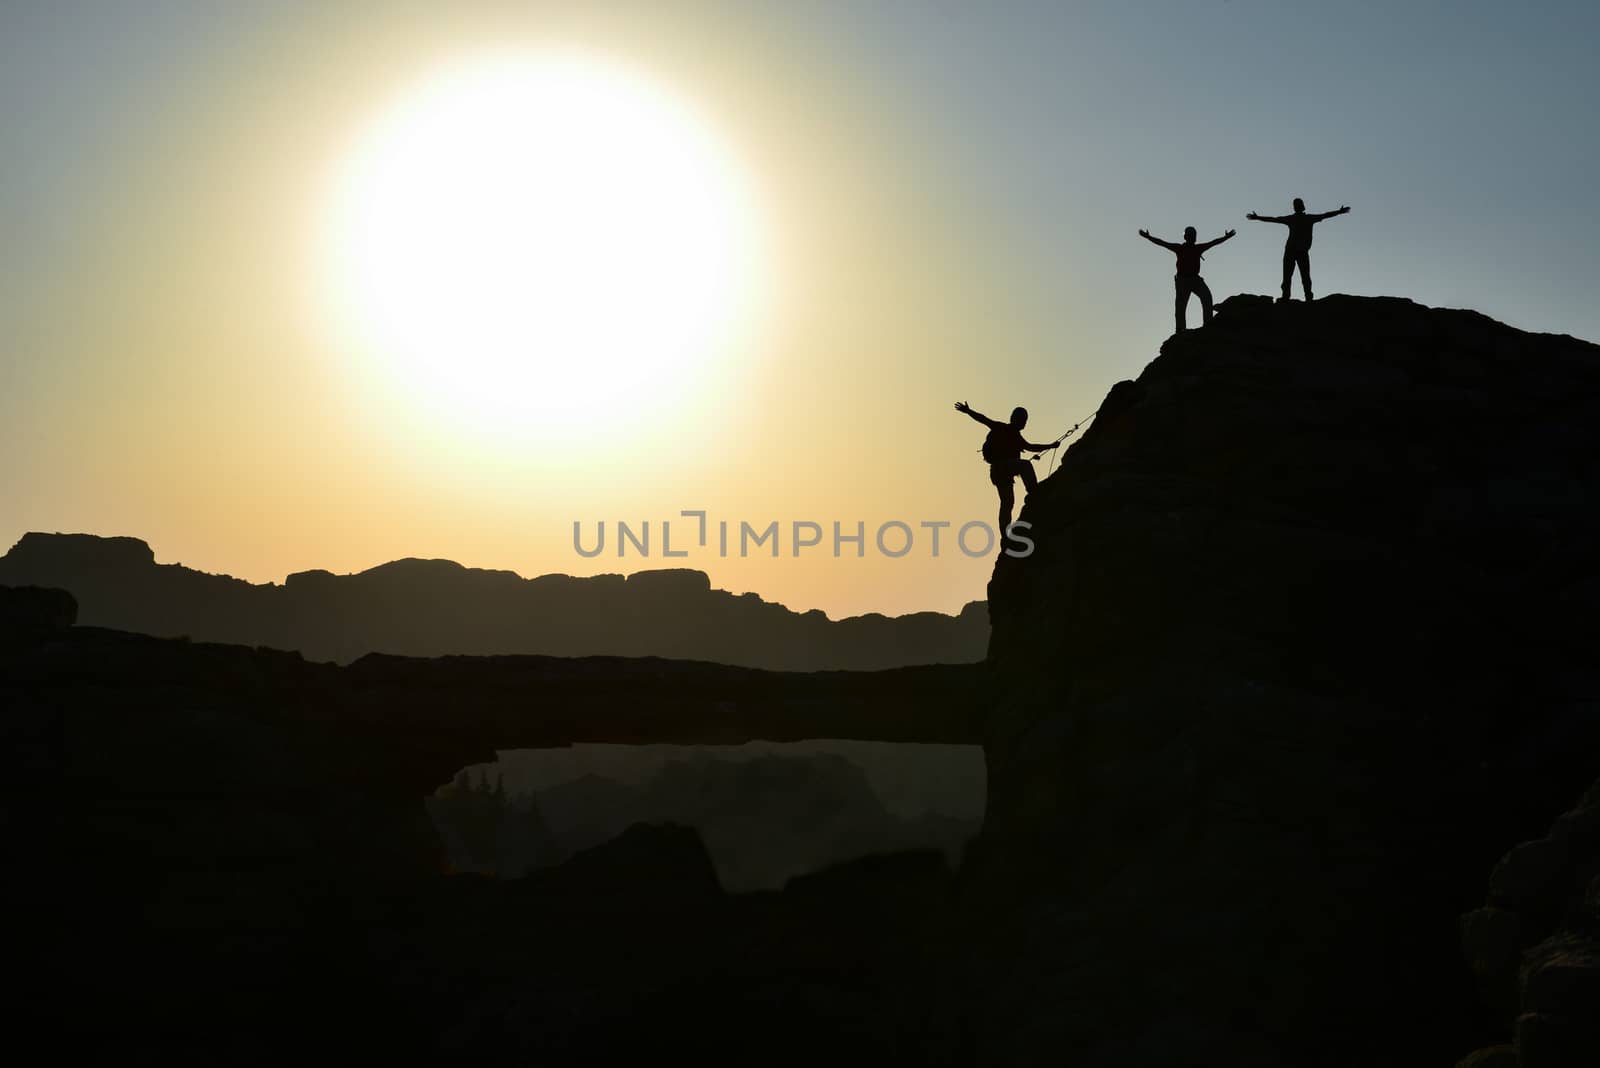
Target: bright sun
[[527, 239]]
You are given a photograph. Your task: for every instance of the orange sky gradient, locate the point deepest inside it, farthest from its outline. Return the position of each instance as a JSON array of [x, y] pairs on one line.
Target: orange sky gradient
[[215, 415]]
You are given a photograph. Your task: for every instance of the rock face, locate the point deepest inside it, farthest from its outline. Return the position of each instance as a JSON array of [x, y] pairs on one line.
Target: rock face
[[1535, 945], [1306, 642], [35, 608], [439, 608]]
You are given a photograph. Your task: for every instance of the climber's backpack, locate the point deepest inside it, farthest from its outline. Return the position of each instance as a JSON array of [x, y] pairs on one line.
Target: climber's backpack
[[994, 445]]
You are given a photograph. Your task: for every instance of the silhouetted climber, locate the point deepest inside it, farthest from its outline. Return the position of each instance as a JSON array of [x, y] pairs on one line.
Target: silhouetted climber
[[1188, 279], [1003, 449], [1297, 250]]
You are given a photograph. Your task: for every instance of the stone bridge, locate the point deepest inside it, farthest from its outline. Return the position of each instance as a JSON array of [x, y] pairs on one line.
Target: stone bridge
[[409, 724]]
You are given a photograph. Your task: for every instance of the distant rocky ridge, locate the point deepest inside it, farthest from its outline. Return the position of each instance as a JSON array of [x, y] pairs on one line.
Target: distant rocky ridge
[[437, 608]]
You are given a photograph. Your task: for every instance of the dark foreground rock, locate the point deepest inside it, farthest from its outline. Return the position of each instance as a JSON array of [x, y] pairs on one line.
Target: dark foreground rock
[[222, 854], [1303, 653], [35, 608]]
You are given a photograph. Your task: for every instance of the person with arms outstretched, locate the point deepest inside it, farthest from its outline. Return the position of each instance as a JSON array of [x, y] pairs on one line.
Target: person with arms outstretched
[[1003, 449], [1188, 279], [1297, 249]]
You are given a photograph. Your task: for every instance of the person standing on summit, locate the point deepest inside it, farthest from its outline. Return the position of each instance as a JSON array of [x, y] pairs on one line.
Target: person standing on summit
[[1188, 279], [1297, 249]]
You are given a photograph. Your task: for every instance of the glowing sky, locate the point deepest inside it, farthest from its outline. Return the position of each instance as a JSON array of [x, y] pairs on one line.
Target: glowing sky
[[950, 194]]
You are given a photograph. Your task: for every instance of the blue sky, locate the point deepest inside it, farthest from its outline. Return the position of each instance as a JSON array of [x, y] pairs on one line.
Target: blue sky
[[1462, 133]]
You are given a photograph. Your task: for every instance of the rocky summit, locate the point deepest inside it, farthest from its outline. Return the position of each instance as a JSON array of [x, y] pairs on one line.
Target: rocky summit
[[1306, 643]]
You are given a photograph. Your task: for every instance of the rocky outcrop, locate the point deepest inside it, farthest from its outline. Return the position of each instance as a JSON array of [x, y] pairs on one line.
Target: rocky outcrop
[[25, 608], [1535, 945], [439, 608], [1305, 642]]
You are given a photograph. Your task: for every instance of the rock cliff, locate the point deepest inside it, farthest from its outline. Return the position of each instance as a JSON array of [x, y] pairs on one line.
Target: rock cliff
[[1306, 643]]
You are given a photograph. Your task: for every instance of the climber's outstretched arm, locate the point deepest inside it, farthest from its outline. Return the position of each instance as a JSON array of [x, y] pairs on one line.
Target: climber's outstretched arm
[[1169, 246], [1031, 447], [961, 406], [1330, 214], [1218, 241], [1253, 217]]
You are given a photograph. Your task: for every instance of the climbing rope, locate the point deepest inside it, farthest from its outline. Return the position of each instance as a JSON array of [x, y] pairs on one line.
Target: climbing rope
[[1056, 452]]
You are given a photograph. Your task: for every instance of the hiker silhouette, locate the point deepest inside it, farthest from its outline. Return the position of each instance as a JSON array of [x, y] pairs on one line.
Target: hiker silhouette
[[1297, 249], [1188, 279], [1003, 448]]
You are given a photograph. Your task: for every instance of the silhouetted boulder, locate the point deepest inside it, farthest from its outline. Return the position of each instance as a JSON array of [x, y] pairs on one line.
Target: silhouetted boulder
[[1537, 955], [894, 876], [1528, 873], [1492, 1057], [649, 865], [36, 608]]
